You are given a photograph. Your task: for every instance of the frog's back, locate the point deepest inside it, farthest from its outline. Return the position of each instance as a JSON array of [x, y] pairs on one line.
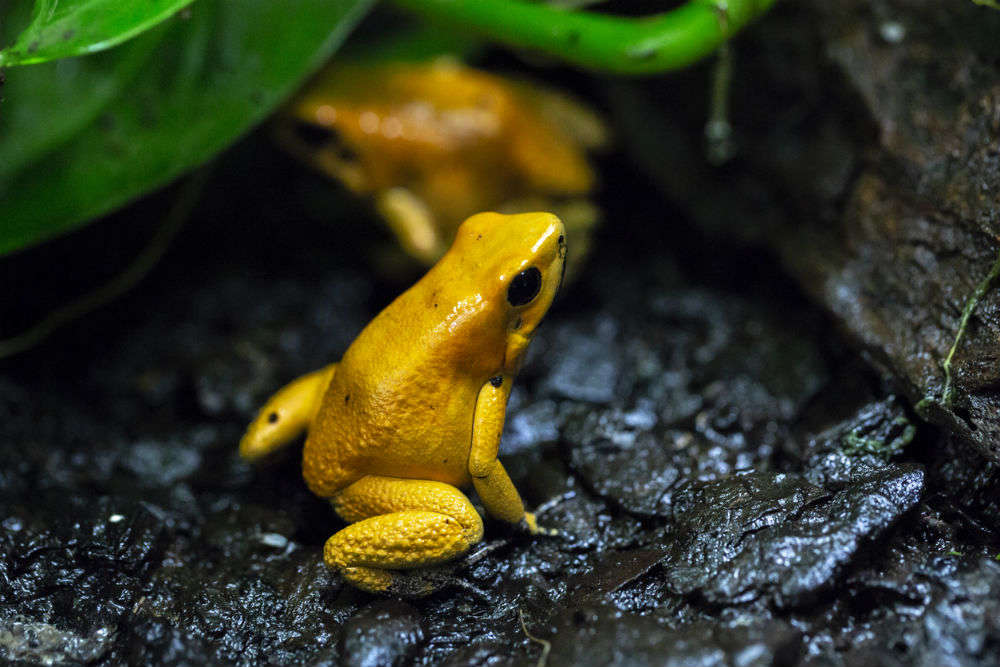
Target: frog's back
[[399, 405]]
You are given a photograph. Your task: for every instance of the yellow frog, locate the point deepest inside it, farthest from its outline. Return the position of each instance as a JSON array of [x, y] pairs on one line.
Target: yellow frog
[[414, 410], [435, 142]]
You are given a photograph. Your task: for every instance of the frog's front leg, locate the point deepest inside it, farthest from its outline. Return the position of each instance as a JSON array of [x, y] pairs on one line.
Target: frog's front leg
[[399, 524], [491, 481], [412, 221], [286, 415]]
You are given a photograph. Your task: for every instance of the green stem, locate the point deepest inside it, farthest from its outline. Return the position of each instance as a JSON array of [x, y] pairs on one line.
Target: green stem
[[644, 45], [718, 131], [981, 289]]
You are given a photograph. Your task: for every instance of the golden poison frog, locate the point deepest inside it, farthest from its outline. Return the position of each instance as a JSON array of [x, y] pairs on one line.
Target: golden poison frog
[[414, 410], [435, 142]]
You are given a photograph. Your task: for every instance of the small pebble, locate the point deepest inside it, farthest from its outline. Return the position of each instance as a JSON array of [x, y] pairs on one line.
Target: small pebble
[[892, 32], [274, 540]]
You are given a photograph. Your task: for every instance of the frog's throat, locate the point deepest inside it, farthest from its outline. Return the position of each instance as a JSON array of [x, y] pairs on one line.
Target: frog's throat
[[514, 354]]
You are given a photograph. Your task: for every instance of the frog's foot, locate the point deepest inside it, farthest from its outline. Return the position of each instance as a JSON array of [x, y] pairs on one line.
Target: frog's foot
[[401, 524], [530, 521], [530, 524]]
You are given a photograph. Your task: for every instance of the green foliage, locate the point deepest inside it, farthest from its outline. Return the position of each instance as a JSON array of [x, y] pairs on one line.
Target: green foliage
[[413, 42], [61, 28], [855, 443], [970, 307], [81, 137], [625, 45]]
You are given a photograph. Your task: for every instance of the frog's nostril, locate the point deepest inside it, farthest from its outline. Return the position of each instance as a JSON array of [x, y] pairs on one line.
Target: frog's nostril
[[562, 240], [273, 417]]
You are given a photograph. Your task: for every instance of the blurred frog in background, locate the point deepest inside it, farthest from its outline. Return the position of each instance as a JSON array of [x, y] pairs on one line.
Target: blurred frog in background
[[434, 142]]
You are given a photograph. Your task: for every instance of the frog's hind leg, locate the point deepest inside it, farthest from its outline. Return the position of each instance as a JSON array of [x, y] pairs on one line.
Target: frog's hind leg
[[286, 415], [400, 524]]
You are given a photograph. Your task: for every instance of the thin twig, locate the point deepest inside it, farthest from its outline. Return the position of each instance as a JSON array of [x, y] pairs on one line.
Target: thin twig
[[718, 131], [546, 645], [124, 281]]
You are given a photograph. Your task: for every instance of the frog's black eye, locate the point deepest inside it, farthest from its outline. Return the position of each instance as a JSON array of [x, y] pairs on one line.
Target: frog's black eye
[[318, 137], [313, 135], [524, 287]]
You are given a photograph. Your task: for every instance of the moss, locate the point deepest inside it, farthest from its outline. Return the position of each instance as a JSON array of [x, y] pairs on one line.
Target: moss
[[855, 443]]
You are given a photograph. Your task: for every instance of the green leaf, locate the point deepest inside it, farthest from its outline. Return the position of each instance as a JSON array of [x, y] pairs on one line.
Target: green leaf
[[421, 41], [35, 116], [63, 28], [205, 79]]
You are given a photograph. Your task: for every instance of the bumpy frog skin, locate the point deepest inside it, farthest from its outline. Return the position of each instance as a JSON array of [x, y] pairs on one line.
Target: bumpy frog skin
[[433, 143], [415, 408]]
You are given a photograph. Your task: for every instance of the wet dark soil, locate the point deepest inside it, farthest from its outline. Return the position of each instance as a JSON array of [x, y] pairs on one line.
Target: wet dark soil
[[739, 476], [732, 484]]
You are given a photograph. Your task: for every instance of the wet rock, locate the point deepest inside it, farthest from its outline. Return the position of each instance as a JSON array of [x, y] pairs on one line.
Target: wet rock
[[634, 470], [604, 636], [944, 606], [77, 564], [167, 462], [712, 390], [912, 323], [41, 643], [245, 592], [712, 519], [717, 503], [483, 655], [961, 625], [158, 641], [252, 335], [383, 634], [591, 370], [246, 611], [972, 480], [778, 537], [876, 160], [859, 445], [530, 427]]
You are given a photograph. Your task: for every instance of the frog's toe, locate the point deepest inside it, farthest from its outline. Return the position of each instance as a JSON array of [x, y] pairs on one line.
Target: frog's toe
[[415, 584], [530, 524], [421, 583], [368, 579]]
